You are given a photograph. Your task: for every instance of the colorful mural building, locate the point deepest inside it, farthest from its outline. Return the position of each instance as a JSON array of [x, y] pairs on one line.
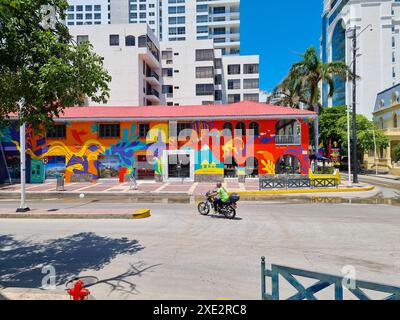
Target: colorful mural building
[[195, 143]]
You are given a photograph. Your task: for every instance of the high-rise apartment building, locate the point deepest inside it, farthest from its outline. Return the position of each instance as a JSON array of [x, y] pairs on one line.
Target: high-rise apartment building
[[132, 57], [181, 20], [87, 12], [378, 48], [195, 72]]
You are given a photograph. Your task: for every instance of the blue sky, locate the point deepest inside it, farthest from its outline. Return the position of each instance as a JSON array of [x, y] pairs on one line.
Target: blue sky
[[276, 29]]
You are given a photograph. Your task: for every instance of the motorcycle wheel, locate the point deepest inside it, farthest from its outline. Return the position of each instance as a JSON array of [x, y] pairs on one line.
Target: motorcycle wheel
[[230, 212], [204, 208]]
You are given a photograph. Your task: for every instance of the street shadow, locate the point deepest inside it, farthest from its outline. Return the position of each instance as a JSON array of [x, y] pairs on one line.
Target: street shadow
[[213, 216], [121, 282], [21, 261]]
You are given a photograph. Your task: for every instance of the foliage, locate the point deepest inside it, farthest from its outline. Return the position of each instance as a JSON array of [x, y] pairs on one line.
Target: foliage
[[397, 153], [40, 63], [305, 77]]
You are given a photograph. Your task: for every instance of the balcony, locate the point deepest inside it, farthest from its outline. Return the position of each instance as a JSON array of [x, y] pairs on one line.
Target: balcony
[[153, 78], [288, 140], [153, 95]]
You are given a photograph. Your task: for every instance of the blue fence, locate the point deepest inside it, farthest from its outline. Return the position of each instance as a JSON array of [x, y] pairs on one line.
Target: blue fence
[[323, 281]]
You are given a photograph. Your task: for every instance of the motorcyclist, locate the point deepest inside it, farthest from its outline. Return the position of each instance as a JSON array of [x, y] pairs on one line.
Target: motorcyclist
[[221, 196]]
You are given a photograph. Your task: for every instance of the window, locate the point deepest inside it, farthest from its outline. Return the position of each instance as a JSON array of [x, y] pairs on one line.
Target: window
[[395, 121], [218, 95], [204, 72], [254, 126], [234, 69], [240, 129], [88, 8], [114, 40], [234, 84], [202, 29], [97, 7], [202, 8], [130, 41], [251, 97], [218, 79], [97, 16], [167, 72], [250, 68], [227, 126], [202, 19], [167, 55], [205, 55], [109, 130], [233, 98], [144, 129], [204, 89], [167, 89], [58, 131], [218, 64], [250, 83], [82, 38]]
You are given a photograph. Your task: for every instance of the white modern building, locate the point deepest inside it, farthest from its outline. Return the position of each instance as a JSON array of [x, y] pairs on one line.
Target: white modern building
[[87, 12], [378, 54], [132, 58], [178, 20], [195, 72]]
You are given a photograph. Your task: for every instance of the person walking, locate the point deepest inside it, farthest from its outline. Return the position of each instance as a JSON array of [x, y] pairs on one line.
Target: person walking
[[132, 180]]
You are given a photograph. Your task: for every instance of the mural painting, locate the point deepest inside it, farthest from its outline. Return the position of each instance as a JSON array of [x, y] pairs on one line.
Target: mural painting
[[85, 153]]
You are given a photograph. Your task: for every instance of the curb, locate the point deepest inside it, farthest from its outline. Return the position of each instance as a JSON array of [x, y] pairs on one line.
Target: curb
[[301, 191]]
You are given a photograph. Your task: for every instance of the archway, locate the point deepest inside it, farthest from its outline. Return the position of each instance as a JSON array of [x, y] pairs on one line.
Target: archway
[[288, 164], [230, 166], [251, 167]]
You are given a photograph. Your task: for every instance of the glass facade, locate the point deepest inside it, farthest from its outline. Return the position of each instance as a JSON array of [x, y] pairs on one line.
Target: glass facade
[[339, 54]]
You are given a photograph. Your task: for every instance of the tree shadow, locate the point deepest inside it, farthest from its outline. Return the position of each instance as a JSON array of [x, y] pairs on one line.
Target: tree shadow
[[121, 282], [21, 261]]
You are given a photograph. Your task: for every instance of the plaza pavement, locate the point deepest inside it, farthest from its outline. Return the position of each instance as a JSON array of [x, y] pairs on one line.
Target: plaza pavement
[[151, 188]]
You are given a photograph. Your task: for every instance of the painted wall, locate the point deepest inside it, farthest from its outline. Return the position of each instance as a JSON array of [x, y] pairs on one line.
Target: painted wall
[[82, 147]]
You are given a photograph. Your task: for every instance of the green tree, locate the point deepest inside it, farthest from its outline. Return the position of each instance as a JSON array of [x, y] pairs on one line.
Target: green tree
[[309, 73], [328, 123], [365, 131], [40, 62], [397, 153], [289, 93]]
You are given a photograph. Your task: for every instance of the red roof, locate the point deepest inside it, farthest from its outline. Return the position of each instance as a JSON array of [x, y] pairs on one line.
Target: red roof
[[242, 110]]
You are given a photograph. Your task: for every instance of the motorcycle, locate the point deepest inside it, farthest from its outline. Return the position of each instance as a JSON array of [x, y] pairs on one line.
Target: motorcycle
[[227, 209]]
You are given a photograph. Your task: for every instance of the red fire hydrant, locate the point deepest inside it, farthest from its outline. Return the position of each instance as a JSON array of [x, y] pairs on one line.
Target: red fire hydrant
[[78, 292]]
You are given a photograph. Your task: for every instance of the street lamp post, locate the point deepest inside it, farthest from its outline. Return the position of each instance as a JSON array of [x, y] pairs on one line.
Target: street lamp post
[[348, 147], [355, 161], [376, 152], [23, 207]]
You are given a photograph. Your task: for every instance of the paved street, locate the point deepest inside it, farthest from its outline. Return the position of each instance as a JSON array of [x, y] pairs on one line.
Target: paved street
[[178, 254]]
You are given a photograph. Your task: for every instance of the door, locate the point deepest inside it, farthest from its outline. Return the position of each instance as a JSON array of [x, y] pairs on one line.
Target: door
[[178, 166], [37, 171]]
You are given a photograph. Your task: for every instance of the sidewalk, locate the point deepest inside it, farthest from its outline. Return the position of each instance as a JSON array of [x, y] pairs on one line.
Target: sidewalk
[[151, 188]]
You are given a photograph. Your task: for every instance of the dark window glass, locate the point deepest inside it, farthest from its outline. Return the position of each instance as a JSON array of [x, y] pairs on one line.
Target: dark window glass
[[114, 40], [58, 131], [240, 129], [130, 41], [144, 129], [109, 130], [254, 126]]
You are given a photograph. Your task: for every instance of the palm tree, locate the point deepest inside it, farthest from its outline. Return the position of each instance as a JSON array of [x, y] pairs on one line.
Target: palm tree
[[310, 73], [289, 93]]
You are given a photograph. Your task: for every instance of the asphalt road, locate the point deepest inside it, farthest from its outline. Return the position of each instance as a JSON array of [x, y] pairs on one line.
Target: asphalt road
[[178, 254]]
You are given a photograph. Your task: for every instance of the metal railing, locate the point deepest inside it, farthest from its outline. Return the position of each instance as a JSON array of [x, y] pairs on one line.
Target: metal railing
[[323, 281], [287, 140]]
